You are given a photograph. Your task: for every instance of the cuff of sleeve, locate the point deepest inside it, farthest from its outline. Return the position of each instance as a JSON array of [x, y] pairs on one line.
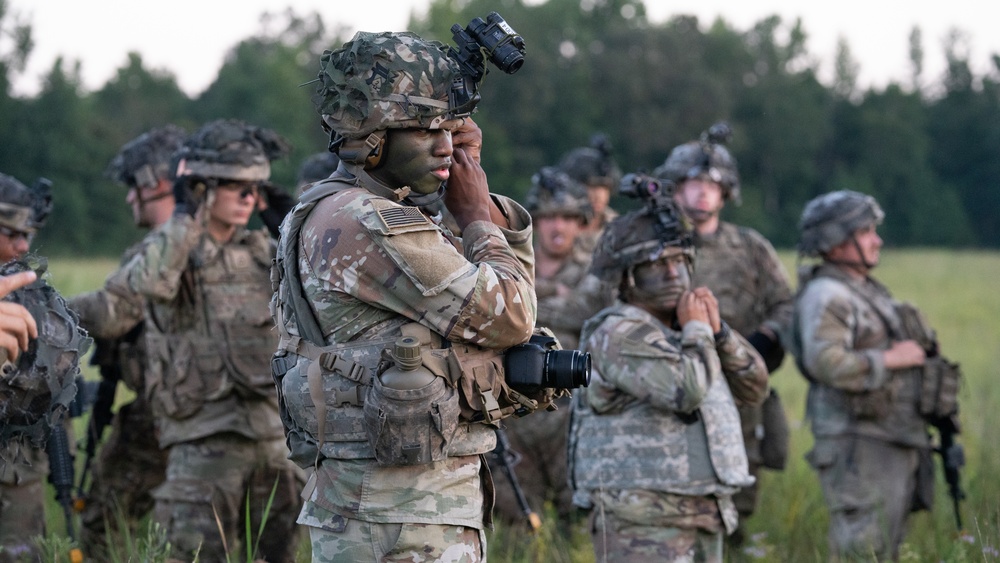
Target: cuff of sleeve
[[519, 219], [694, 331], [878, 374]]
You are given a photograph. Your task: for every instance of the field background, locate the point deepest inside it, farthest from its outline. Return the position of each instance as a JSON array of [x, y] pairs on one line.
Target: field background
[[957, 290]]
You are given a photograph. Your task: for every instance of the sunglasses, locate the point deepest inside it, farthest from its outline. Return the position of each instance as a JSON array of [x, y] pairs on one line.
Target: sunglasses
[[244, 189]]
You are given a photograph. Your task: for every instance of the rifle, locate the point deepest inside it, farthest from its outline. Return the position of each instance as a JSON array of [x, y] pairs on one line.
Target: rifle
[[952, 459], [508, 458], [61, 477], [100, 416]]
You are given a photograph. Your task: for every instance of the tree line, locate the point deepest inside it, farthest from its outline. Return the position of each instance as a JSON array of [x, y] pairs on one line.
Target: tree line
[[925, 148]]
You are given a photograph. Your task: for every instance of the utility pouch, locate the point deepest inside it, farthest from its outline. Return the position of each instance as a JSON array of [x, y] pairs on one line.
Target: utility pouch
[[411, 426], [939, 388], [774, 444]]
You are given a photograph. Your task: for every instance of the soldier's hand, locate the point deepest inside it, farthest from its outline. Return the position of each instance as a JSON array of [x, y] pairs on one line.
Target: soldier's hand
[[17, 326], [691, 308], [711, 304], [469, 138], [467, 195], [904, 354]]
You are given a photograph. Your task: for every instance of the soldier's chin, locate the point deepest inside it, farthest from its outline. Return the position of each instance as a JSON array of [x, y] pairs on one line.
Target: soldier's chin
[[698, 215]]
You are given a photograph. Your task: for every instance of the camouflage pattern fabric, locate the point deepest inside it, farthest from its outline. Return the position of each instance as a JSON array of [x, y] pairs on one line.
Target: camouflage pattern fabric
[[210, 336], [645, 526], [743, 271], [868, 486], [841, 332], [364, 260], [220, 475], [633, 429], [398, 543], [130, 462], [865, 418], [23, 470]]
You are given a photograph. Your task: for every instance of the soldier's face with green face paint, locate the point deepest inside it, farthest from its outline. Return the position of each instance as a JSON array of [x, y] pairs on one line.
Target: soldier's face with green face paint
[[418, 158]]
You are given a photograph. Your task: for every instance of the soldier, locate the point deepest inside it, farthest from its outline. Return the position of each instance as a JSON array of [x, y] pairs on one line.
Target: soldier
[[594, 167], [131, 462], [862, 401], [559, 211], [23, 211], [655, 440], [743, 271], [316, 167], [208, 335], [362, 266]]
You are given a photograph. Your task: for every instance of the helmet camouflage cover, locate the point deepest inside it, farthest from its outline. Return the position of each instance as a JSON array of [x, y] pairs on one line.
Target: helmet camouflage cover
[[22, 208], [230, 149], [641, 236], [833, 217], [386, 80], [593, 165], [553, 192], [707, 157], [36, 390], [145, 160]]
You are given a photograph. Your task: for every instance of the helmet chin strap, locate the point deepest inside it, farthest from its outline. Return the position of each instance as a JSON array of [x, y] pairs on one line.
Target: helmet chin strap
[[423, 200], [856, 264]]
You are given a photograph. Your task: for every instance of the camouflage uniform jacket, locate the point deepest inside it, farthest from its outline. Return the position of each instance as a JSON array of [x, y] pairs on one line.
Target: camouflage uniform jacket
[[366, 261], [209, 333], [565, 314], [660, 412], [841, 328], [115, 313], [743, 271]]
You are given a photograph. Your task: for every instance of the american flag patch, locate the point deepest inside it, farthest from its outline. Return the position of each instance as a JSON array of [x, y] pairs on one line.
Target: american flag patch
[[395, 218]]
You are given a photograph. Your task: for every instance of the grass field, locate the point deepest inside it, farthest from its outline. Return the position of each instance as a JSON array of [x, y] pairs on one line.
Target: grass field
[[956, 291]]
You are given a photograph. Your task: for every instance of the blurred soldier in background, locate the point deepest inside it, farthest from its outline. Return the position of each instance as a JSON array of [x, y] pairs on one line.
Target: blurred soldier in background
[[559, 211], [863, 401], [209, 337], [594, 167], [364, 272], [314, 168], [655, 446], [743, 271], [131, 462]]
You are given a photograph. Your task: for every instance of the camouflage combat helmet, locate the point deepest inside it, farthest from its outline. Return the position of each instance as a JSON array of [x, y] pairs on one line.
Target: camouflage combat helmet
[[707, 157], [380, 81], [641, 236], [553, 192], [317, 167], [229, 149], [593, 165], [24, 209], [36, 390], [832, 218], [145, 160]]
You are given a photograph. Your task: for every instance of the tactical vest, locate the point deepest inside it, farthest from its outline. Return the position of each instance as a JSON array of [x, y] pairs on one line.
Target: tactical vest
[[323, 389], [217, 354], [890, 412], [642, 447]]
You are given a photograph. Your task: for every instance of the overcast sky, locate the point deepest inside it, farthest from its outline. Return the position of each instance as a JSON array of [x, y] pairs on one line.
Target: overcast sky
[[190, 37]]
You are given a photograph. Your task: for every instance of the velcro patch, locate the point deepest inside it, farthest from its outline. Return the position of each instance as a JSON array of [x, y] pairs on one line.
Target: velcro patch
[[401, 218]]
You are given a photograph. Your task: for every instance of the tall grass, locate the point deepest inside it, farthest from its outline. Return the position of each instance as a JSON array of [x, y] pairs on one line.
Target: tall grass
[[956, 291]]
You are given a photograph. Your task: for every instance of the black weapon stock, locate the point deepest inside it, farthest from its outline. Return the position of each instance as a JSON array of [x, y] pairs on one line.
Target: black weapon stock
[[100, 415], [61, 477], [508, 459], [952, 459]]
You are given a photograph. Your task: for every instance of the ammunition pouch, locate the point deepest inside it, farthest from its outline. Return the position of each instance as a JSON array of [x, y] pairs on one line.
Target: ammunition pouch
[[939, 388], [871, 405]]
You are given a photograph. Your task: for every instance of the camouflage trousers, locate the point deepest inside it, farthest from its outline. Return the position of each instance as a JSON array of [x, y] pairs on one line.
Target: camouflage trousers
[[127, 469], [22, 501], [399, 543], [869, 488], [645, 526], [540, 440], [225, 476]]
